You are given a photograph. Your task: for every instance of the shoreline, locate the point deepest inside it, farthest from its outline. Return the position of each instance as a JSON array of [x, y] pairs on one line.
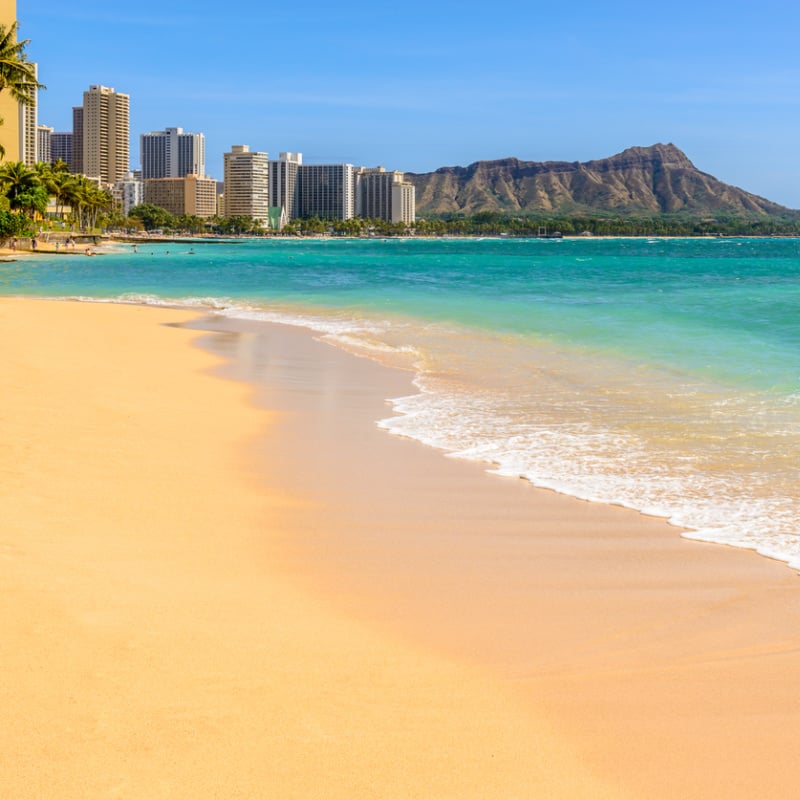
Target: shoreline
[[104, 243], [463, 559], [240, 588]]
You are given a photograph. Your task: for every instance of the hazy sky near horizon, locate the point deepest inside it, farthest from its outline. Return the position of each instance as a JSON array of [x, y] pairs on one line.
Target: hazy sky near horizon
[[427, 84]]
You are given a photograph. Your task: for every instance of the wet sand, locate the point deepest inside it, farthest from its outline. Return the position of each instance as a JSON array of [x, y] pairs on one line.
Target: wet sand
[[211, 590], [673, 666]]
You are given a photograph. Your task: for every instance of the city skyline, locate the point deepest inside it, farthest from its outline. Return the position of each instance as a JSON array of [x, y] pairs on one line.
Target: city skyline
[[428, 86]]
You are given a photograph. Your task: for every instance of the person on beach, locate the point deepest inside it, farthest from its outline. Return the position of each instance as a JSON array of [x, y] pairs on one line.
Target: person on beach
[[14, 244], [34, 243]]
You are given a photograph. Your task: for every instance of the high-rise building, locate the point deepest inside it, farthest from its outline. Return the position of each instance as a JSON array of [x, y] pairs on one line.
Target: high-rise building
[[326, 191], [385, 195], [76, 153], [28, 113], [283, 182], [44, 138], [194, 195], [404, 203], [246, 183], [61, 147], [171, 153], [106, 134]]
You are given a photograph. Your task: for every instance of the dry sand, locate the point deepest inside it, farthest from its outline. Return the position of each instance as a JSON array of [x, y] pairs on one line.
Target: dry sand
[[202, 598]]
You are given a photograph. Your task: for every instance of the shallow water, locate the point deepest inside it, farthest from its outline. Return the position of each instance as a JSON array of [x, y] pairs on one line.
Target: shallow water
[[663, 375]]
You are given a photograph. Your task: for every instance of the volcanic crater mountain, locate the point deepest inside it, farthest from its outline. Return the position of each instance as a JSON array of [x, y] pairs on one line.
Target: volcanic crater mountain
[[659, 179]]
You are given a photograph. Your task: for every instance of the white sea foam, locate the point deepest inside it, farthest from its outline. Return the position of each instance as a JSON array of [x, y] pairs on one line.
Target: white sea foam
[[717, 464], [576, 457], [601, 465]]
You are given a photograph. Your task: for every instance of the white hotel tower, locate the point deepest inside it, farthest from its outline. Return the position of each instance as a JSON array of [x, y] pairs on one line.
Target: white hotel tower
[[171, 153]]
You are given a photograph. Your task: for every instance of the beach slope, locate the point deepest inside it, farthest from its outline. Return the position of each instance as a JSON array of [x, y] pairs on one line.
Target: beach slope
[[156, 639]]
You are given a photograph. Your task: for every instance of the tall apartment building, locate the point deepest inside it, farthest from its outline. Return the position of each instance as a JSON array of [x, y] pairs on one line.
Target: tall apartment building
[[326, 191], [246, 178], [192, 194], [44, 138], [283, 182], [171, 153], [61, 147], [28, 121], [385, 195], [75, 160], [106, 134]]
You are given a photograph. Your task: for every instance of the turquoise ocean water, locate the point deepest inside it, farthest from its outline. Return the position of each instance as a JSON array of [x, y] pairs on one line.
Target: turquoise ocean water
[[663, 375]]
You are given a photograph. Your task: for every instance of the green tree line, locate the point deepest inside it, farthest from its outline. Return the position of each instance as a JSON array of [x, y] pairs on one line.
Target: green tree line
[[26, 193], [494, 224], [151, 217]]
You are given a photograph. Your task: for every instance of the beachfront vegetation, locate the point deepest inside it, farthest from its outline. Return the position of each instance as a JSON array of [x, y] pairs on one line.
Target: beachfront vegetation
[[150, 217], [13, 225], [17, 74], [495, 224], [78, 204], [237, 225], [27, 193], [22, 188], [153, 218]]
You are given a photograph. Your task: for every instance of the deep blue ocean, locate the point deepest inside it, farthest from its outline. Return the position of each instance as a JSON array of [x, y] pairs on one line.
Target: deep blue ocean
[[663, 375]]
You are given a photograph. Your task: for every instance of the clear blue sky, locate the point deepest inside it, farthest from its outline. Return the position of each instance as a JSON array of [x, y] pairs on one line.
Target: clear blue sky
[[419, 85]]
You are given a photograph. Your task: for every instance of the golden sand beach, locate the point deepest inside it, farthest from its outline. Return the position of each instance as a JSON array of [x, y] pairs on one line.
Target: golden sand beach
[[216, 590]]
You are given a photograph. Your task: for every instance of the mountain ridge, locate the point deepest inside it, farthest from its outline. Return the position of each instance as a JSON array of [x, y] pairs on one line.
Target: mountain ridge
[[659, 179]]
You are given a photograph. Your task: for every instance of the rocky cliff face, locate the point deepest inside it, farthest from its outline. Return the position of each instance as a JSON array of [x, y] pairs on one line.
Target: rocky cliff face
[[650, 180]]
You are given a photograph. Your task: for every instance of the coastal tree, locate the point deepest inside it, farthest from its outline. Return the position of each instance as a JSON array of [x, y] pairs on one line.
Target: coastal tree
[[52, 175], [113, 218], [152, 217], [96, 200], [313, 226], [190, 223], [34, 201], [14, 224], [237, 224], [291, 228], [59, 182], [85, 199], [17, 182], [70, 193], [355, 226]]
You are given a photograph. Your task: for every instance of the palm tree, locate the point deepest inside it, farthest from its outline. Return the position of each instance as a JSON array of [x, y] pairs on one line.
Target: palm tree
[[86, 199], [53, 177], [46, 175], [17, 74], [17, 181], [73, 194], [97, 200]]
